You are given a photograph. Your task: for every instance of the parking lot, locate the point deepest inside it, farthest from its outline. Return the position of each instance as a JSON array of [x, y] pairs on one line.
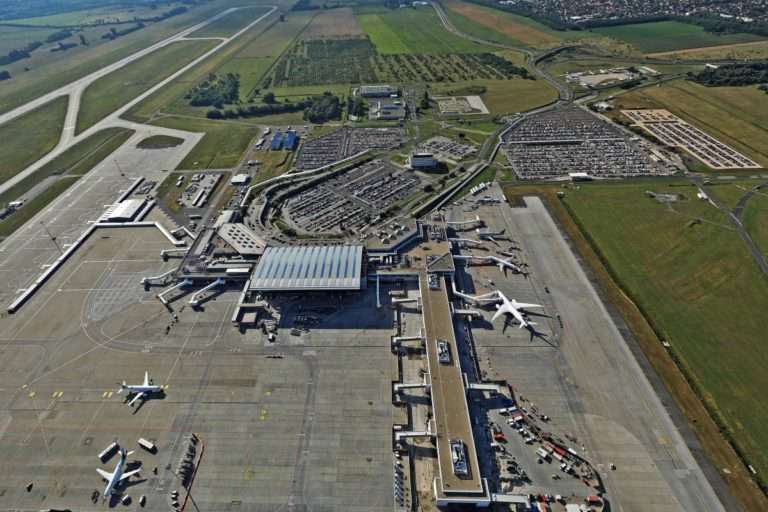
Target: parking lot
[[445, 148], [553, 144], [674, 132], [344, 142], [350, 200]]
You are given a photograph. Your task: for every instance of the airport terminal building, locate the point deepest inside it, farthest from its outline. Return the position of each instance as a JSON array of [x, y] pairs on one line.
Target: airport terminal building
[[309, 268]]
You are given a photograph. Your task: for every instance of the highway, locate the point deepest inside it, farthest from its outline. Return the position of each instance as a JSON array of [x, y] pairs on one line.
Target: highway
[[74, 91]]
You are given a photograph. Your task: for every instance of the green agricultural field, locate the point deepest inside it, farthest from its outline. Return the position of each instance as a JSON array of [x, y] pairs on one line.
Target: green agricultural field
[[662, 36], [28, 138], [70, 165], [476, 28], [700, 288], [109, 93], [223, 144], [415, 30], [46, 71], [737, 116], [231, 23]]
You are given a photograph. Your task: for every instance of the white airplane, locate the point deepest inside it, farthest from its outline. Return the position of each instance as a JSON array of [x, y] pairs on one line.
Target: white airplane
[[512, 307], [489, 235], [507, 263], [140, 390], [117, 476]]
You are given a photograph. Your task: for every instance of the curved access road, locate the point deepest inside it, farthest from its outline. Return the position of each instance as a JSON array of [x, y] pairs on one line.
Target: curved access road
[[74, 91], [565, 95]]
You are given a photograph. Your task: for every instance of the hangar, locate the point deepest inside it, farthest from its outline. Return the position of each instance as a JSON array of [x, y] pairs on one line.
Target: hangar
[[309, 267]]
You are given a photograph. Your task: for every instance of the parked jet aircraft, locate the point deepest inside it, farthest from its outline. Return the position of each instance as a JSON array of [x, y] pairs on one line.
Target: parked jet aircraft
[[113, 479], [140, 391], [512, 307], [489, 235]]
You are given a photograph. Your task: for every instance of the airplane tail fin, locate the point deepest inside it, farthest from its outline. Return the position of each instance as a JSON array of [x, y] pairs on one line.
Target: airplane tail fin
[[122, 387]]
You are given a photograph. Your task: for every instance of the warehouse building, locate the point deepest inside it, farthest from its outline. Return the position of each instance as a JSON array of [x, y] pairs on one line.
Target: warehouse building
[[386, 110], [309, 268], [378, 91]]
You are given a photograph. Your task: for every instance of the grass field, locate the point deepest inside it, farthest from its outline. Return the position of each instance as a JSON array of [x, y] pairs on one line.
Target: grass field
[[756, 220], [231, 23], [159, 141], [506, 96], [12, 38], [70, 165], [96, 15], [78, 159], [416, 30], [222, 146], [518, 29], [728, 193], [571, 62], [26, 139], [250, 56], [753, 50], [109, 93], [701, 289], [333, 23], [47, 71], [662, 36], [737, 116]]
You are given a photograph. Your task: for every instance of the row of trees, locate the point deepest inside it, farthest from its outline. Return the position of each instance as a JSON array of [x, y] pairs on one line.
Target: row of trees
[[733, 75], [215, 91], [114, 33], [317, 109]]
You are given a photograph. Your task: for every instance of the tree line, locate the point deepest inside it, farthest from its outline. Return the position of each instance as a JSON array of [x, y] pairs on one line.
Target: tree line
[[732, 75], [317, 109]]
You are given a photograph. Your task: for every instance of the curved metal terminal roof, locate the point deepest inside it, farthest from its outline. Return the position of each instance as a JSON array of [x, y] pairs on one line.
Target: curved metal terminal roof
[[315, 267]]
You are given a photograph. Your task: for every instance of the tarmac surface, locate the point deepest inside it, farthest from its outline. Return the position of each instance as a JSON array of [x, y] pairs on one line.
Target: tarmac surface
[[302, 423], [583, 375], [25, 254]]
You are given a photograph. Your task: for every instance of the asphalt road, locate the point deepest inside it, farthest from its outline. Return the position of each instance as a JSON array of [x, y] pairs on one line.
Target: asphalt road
[[75, 89]]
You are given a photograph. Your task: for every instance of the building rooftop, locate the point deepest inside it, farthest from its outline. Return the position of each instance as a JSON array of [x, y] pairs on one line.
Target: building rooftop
[[242, 239], [315, 267]]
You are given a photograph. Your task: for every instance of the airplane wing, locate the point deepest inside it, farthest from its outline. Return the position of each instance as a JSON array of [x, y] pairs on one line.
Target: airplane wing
[[523, 305], [104, 474], [129, 474], [500, 311], [519, 317], [146, 378], [137, 397]]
